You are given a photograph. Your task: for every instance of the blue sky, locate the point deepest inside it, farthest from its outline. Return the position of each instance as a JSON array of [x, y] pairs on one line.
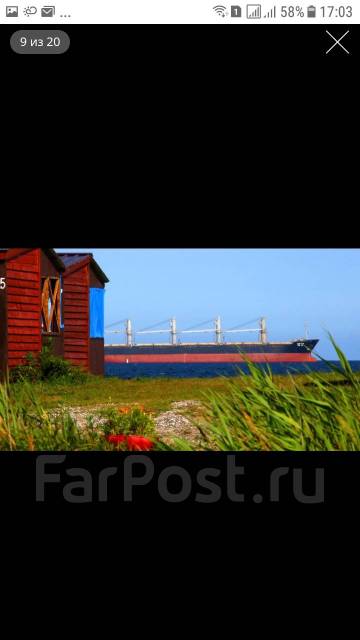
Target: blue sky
[[288, 286]]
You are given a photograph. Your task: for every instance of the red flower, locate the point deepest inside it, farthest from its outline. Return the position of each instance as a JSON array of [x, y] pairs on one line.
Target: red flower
[[124, 410], [134, 443], [116, 439]]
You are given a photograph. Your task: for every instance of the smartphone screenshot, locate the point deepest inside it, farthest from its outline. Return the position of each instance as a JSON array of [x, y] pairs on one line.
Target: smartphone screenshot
[[197, 171]]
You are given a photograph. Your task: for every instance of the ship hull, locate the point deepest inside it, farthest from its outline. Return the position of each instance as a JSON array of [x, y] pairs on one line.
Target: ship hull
[[234, 353], [207, 357]]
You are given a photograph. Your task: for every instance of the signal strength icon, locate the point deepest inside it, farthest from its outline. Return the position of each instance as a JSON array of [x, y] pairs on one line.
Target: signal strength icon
[[220, 10], [253, 11], [271, 14]]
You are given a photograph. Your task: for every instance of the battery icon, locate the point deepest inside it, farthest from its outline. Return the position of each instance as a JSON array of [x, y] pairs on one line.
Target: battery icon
[[311, 12]]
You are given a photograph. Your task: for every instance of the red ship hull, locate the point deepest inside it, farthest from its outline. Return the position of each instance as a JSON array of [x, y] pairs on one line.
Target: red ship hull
[[170, 358]]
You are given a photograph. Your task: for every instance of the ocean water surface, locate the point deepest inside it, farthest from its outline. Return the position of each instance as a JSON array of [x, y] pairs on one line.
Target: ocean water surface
[[211, 370]]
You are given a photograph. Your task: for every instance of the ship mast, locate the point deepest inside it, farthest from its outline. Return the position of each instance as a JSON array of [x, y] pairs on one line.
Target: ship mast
[[129, 340], [263, 331], [218, 330], [173, 330]]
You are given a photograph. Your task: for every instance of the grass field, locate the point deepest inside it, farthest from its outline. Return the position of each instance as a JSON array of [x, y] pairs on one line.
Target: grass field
[[261, 411], [155, 394]]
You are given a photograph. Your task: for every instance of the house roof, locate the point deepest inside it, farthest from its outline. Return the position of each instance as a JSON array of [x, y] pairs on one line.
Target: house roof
[[7, 254], [72, 259], [62, 261], [55, 258]]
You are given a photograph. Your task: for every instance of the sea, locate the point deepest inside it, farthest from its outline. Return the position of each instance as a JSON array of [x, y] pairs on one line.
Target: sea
[[212, 370]]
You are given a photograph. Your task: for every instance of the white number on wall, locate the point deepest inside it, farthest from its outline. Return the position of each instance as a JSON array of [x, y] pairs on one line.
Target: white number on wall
[[2, 283]]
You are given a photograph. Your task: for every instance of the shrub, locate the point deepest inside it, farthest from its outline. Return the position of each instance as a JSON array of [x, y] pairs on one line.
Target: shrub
[[47, 366], [134, 421]]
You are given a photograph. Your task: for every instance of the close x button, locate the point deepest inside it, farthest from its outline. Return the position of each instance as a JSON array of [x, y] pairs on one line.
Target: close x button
[[338, 45]]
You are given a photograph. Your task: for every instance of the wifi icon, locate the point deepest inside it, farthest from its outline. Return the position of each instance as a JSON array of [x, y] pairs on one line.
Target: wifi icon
[[220, 10]]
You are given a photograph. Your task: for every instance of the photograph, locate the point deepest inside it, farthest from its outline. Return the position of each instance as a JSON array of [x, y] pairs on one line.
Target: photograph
[[175, 350]]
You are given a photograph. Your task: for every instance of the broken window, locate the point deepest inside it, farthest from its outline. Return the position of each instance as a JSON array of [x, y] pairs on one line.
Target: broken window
[[50, 305]]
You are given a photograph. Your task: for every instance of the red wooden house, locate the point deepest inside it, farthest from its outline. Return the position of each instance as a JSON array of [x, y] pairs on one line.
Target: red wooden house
[[41, 297], [83, 311], [29, 302]]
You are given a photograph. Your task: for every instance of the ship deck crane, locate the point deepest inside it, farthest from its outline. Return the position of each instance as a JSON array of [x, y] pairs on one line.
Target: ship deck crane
[[173, 332]]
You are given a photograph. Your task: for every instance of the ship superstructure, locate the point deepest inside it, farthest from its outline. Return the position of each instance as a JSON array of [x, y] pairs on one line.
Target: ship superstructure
[[219, 350]]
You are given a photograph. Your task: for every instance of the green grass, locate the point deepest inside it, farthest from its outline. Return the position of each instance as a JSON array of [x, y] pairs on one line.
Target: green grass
[[26, 425], [315, 413], [155, 395], [260, 411]]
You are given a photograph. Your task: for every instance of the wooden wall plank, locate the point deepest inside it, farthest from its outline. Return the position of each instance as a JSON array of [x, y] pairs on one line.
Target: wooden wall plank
[[23, 276], [12, 306], [30, 297], [27, 322], [22, 330], [76, 316], [23, 315], [75, 302], [20, 339], [23, 287], [26, 268], [21, 353], [68, 296], [72, 322], [16, 284], [77, 321]]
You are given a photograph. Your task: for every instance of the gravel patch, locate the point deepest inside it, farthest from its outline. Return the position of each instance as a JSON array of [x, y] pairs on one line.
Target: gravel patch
[[81, 414], [173, 424], [169, 424], [186, 405]]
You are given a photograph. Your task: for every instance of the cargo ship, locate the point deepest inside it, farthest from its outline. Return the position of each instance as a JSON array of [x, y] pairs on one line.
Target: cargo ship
[[219, 351]]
